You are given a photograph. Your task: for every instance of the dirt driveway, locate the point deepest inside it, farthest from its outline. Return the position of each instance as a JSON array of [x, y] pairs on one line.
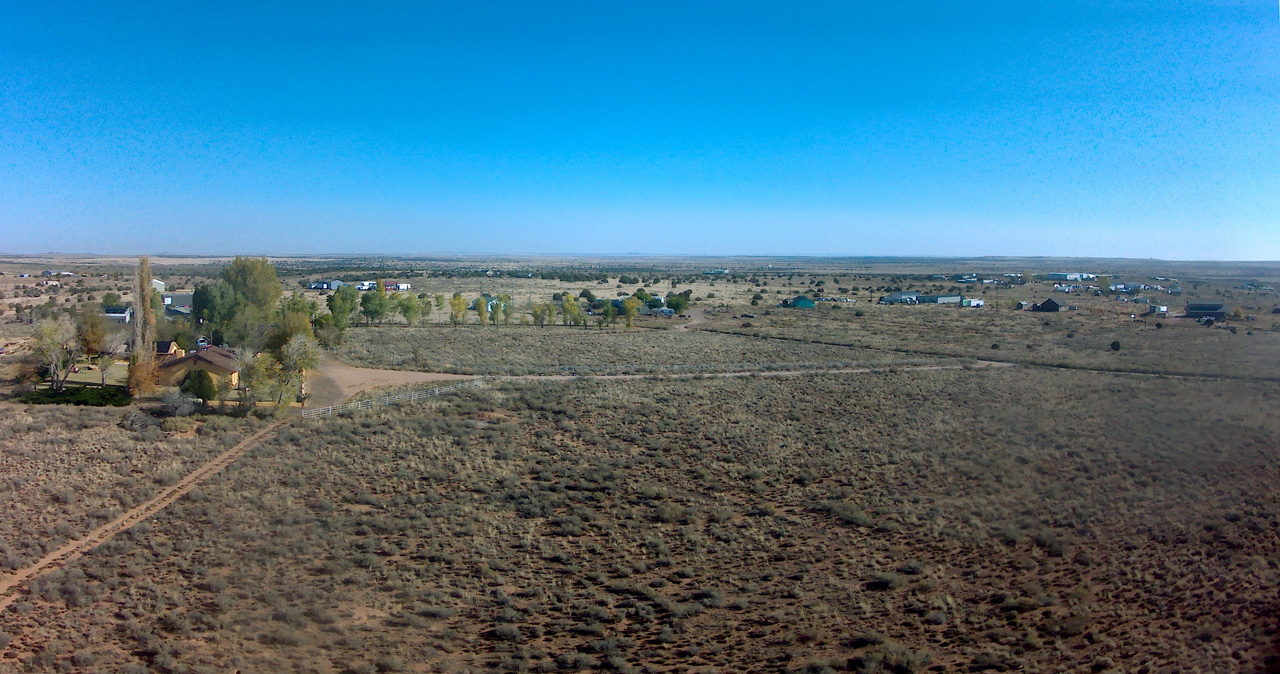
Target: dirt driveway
[[334, 382]]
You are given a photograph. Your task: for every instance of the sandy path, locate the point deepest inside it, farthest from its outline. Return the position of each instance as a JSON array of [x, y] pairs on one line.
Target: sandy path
[[759, 373], [695, 318], [74, 549], [334, 382]]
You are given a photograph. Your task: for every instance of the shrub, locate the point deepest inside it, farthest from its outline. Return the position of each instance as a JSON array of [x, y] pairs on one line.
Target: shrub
[[1115, 346], [114, 396]]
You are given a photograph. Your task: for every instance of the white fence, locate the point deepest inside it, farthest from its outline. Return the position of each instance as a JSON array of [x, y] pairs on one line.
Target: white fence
[[386, 400]]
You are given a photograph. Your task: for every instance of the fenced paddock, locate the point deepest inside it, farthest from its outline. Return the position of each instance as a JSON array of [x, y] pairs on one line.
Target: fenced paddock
[[407, 396]]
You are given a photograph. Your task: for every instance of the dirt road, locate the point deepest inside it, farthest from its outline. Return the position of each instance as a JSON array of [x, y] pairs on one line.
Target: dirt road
[[334, 382], [74, 549], [695, 318]]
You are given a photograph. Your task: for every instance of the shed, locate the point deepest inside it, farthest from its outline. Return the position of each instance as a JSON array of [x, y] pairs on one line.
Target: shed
[[938, 299], [118, 314], [1047, 305], [1206, 309], [901, 298]]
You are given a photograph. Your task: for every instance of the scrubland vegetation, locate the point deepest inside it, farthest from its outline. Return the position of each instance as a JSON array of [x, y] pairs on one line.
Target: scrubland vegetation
[[1071, 339], [951, 521], [64, 473], [550, 350], [901, 520]]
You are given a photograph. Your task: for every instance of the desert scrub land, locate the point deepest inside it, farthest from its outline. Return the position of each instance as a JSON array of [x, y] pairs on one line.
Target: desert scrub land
[[983, 520], [64, 472], [1070, 338], [558, 349]]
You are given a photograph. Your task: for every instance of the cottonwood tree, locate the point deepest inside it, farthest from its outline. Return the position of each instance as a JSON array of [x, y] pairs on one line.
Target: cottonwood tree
[[457, 310], [254, 281], [424, 306], [407, 305], [508, 309], [342, 303], [630, 307], [482, 310], [56, 348], [299, 354], [375, 304]]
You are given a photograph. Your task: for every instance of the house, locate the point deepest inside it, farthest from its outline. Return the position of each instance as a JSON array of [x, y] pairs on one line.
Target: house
[[49, 284], [168, 349], [177, 299], [799, 302], [391, 286], [1160, 310], [157, 285], [118, 314], [938, 299], [971, 302], [1047, 305], [1206, 309], [325, 285], [218, 362], [909, 297], [1069, 276], [366, 285], [664, 312]]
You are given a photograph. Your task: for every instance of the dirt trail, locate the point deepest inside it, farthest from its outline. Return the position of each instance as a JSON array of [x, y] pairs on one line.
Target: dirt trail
[[74, 549], [334, 382], [760, 373], [695, 318]]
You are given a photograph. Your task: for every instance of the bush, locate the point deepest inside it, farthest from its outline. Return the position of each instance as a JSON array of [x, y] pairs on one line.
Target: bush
[[1115, 346], [199, 384], [115, 396]]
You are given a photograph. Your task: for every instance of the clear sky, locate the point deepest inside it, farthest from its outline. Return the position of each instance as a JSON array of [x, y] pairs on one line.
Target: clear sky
[[1139, 129]]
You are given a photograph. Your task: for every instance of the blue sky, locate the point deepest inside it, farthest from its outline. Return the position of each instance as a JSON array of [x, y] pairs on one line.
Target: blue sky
[[1136, 129]]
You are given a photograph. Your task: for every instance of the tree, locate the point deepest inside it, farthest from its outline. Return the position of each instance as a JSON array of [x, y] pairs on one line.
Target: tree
[[508, 309], [439, 301], [91, 329], [254, 280], [587, 295], [300, 353], [482, 309], [110, 299], [457, 309], [610, 313], [542, 314], [299, 304], [142, 366], [342, 303], [200, 384], [630, 307], [424, 306], [375, 304], [408, 306], [678, 302], [56, 349], [214, 305]]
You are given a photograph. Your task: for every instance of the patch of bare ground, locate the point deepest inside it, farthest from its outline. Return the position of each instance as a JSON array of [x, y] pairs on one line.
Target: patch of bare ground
[[994, 519], [333, 382]]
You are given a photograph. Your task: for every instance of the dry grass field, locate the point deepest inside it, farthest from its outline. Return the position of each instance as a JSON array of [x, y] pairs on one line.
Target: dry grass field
[[65, 471], [1055, 516], [531, 350], [1072, 338], [1031, 519]]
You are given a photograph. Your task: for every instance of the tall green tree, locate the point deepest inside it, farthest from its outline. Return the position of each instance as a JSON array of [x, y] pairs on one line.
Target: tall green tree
[[300, 353], [375, 305], [424, 306], [482, 309], [342, 304], [408, 306], [213, 305], [254, 280]]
